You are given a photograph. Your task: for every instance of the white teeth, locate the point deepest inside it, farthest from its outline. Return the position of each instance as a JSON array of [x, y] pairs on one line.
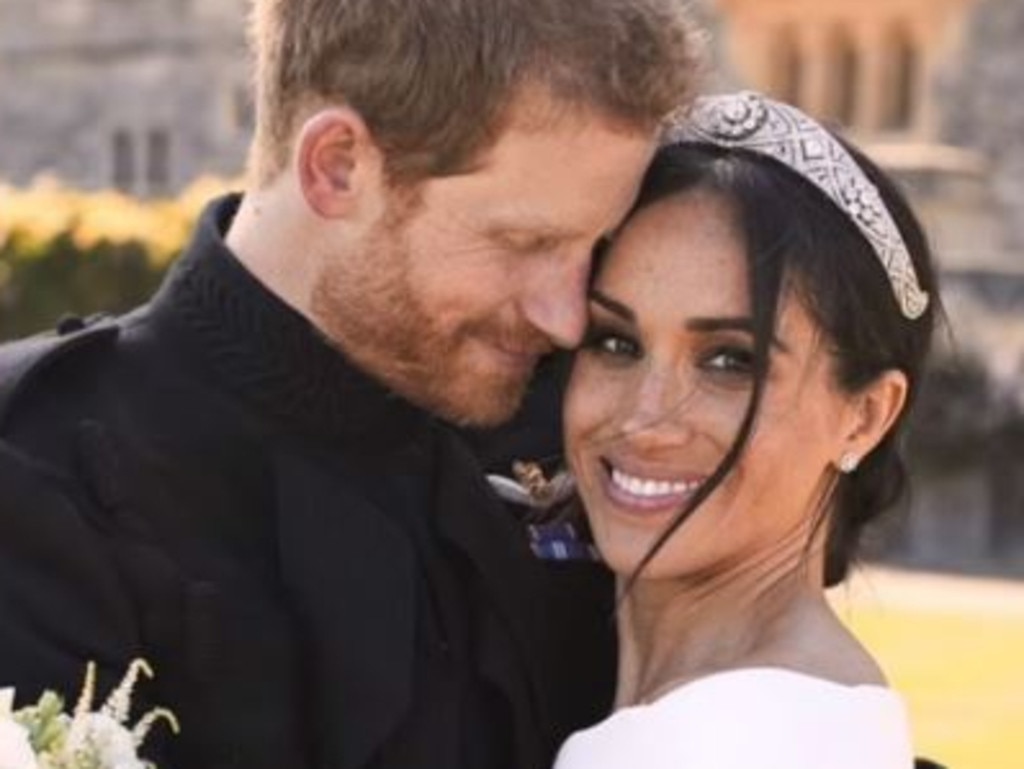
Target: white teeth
[[641, 487]]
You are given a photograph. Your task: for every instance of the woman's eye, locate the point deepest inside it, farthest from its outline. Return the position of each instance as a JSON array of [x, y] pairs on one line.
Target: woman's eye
[[611, 344], [730, 360], [616, 345]]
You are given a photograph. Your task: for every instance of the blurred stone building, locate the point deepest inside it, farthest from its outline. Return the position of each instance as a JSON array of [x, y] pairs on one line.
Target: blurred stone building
[[932, 89], [141, 95], [876, 68]]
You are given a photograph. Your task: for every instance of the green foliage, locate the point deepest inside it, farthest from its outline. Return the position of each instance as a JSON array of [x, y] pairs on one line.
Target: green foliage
[[70, 252], [46, 723]]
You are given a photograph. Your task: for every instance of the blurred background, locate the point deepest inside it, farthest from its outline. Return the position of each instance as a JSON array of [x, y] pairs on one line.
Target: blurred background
[[119, 118]]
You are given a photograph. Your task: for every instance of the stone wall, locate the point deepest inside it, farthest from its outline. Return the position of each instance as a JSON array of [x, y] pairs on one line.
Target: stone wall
[[145, 96], [865, 64], [983, 94]]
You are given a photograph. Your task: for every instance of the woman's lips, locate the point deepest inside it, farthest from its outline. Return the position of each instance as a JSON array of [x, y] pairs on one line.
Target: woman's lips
[[647, 493]]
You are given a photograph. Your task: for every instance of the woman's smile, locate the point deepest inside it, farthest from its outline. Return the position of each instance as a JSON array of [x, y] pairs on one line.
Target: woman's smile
[[647, 492]]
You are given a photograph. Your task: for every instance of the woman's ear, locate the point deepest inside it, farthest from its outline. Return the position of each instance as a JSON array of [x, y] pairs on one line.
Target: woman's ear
[[338, 163], [875, 409]]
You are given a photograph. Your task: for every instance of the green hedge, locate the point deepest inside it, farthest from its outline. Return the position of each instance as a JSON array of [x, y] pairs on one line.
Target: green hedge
[[63, 251]]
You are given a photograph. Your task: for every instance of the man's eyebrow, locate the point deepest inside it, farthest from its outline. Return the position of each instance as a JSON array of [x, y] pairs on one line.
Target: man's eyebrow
[[612, 305], [744, 324]]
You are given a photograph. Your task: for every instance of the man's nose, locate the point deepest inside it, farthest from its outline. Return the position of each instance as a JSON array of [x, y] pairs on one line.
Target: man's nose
[[554, 297]]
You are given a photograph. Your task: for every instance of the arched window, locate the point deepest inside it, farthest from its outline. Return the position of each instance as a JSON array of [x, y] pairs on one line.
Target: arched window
[[901, 83], [786, 67], [158, 161], [847, 79], [123, 160], [844, 73]]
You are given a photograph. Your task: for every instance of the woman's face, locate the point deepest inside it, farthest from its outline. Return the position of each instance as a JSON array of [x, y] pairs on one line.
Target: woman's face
[[660, 388]]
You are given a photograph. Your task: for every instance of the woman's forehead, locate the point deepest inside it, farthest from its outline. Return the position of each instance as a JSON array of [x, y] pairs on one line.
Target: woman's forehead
[[682, 249]]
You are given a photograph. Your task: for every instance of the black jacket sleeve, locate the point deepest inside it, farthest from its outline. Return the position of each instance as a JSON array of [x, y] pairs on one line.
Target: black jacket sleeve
[[62, 602]]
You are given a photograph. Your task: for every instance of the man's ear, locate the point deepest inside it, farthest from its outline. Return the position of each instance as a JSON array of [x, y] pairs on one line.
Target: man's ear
[[337, 161], [875, 409]]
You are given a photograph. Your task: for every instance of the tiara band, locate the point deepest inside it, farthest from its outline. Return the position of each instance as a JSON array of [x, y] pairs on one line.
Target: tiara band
[[750, 121]]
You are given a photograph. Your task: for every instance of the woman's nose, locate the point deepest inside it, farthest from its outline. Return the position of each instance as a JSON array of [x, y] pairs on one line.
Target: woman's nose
[[660, 409]]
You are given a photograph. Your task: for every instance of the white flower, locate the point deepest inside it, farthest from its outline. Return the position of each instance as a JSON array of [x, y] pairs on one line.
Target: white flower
[[6, 703], [111, 743], [43, 736], [15, 749]]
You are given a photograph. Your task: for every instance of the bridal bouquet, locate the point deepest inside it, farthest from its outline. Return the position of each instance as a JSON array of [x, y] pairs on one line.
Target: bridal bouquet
[[44, 736]]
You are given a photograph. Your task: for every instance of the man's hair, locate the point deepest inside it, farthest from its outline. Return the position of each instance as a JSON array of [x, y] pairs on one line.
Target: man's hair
[[433, 79]]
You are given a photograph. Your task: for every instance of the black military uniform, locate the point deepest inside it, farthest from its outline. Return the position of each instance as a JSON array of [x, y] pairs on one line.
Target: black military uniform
[[317, 570]]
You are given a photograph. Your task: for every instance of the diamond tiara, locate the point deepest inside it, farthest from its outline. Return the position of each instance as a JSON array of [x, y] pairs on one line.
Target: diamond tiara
[[753, 122]]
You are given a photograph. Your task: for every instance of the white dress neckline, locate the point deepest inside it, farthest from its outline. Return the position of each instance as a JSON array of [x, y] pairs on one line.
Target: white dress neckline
[[763, 717], [763, 672]]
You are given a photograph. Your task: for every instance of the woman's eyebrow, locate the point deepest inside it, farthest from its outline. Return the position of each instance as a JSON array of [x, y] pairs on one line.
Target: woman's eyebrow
[[721, 324], [612, 305], [744, 324]]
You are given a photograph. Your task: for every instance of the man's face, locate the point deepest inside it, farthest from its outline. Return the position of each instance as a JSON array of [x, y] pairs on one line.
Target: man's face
[[451, 302]]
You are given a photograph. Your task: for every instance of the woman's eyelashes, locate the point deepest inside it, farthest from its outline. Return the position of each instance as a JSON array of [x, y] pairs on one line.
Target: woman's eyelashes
[[611, 343], [732, 360], [729, 361]]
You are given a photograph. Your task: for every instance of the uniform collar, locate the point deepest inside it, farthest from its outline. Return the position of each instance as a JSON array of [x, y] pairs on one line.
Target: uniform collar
[[261, 349]]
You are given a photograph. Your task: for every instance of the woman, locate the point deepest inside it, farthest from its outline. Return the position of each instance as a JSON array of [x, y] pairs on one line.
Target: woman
[[757, 335]]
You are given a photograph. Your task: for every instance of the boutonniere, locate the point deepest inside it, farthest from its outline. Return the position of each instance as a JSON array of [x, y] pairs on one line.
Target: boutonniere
[[531, 488], [44, 736], [555, 534]]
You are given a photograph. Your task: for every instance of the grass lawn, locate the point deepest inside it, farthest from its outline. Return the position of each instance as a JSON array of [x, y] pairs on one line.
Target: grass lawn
[[955, 648]]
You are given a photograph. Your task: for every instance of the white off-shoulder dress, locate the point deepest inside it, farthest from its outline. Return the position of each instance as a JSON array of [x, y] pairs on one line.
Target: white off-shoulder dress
[[754, 718]]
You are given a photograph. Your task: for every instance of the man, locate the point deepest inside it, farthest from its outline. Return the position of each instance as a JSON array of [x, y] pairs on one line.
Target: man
[[254, 481]]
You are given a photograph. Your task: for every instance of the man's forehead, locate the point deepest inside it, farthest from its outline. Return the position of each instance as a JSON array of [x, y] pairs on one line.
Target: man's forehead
[[565, 183], [557, 217], [538, 129]]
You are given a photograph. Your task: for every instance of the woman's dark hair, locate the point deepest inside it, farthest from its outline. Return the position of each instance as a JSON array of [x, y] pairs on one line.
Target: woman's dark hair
[[797, 239]]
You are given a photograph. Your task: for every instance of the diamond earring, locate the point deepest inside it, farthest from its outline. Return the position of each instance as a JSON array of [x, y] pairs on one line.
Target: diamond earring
[[848, 462]]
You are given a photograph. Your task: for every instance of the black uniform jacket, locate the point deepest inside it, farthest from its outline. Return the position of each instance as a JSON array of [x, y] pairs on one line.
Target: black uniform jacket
[[317, 571]]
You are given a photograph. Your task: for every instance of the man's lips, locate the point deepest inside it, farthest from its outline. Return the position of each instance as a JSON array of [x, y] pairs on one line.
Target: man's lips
[[516, 359], [526, 353], [523, 354]]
